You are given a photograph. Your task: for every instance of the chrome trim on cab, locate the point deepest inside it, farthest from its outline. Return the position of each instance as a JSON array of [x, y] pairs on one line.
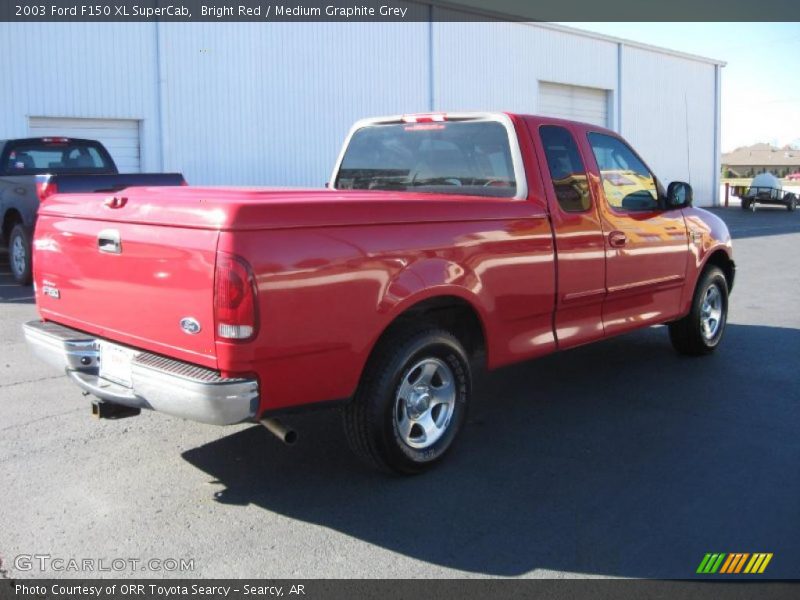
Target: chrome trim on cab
[[159, 383]]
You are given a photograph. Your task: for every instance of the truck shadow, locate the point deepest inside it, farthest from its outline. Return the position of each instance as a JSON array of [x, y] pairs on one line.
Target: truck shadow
[[620, 458], [10, 291]]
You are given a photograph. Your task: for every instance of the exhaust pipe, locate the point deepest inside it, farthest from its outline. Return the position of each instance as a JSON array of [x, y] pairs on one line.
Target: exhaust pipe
[[109, 410], [285, 434]]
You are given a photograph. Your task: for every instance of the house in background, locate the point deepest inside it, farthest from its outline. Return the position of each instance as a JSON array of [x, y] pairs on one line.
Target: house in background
[[749, 161]]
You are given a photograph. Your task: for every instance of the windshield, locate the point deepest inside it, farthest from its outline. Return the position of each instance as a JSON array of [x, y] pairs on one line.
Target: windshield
[[457, 157], [34, 157]]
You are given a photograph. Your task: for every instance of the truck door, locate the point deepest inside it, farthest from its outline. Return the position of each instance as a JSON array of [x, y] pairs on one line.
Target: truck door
[[579, 240], [647, 248]]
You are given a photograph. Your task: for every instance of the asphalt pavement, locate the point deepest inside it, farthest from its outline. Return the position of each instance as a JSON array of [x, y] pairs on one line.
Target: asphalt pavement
[[617, 459]]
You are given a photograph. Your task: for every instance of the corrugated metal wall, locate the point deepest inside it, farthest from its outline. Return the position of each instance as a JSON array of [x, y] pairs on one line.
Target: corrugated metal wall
[[91, 70], [498, 66], [668, 113], [269, 104]]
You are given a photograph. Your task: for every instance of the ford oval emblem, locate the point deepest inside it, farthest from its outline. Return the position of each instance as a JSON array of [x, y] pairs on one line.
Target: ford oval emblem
[[190, 325]]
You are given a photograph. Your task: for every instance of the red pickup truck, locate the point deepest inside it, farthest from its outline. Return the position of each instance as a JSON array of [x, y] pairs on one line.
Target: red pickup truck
[[444, 242]]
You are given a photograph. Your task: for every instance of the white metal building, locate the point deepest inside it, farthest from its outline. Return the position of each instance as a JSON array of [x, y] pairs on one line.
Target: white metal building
[[270, 103]]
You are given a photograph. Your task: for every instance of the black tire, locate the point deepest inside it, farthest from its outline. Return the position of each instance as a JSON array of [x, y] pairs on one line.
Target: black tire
[[791, 202], [21, 265], [371, 417], [688, 335], [745, 204]]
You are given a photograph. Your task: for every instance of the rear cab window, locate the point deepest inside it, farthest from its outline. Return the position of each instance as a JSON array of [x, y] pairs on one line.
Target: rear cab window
[[477, 157], [55, 155], [627, 183]]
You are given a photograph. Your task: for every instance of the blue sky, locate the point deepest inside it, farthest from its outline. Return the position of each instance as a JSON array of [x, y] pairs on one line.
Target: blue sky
[[760, 84]]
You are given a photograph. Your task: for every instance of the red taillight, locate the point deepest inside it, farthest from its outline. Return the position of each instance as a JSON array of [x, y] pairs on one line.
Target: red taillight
[[45, 189], [234, 299], [55, 140], [425, 118]]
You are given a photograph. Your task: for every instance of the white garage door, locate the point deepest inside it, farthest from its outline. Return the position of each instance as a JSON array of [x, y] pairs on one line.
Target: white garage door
[[577, 103], [119, 136]]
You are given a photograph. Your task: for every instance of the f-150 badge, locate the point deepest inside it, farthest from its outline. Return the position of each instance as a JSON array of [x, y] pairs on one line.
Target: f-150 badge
[[49, 289]]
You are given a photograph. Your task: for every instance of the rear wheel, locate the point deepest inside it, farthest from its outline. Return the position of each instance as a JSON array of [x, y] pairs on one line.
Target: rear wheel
[[411, 403], [19, 254], [745, 204], [791, 203], [701, 330]]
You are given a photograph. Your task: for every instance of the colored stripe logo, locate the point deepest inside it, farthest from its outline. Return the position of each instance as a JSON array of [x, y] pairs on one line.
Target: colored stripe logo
[[734, 563]]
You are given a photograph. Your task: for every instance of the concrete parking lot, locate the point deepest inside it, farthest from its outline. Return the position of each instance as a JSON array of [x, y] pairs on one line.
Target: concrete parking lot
[[616, 459]]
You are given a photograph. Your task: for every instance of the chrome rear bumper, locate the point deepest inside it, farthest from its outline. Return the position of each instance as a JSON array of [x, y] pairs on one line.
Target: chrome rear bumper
[[171, 386]]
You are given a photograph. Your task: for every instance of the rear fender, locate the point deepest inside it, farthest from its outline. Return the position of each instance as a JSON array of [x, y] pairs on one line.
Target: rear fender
[[426, 279]]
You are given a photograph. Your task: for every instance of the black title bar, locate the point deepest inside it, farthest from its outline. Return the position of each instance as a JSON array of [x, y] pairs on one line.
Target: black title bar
[[383, 589], [260, 11]]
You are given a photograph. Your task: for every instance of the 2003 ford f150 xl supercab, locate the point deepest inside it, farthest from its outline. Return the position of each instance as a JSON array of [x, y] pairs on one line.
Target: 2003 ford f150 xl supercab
[[445, 242]]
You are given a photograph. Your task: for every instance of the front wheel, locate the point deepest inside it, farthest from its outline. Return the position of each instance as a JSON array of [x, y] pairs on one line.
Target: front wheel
[[411, 403], [19, 255], [791, 203], [701, 330]]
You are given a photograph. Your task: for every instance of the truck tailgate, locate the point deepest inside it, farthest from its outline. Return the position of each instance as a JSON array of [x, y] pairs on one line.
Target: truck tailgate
[[130, 282]]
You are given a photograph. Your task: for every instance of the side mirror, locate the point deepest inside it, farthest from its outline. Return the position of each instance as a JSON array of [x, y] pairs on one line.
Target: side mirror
[[679, 195]]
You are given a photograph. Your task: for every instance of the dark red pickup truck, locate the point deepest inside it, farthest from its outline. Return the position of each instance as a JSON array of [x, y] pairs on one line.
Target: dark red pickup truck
[[444, 242]]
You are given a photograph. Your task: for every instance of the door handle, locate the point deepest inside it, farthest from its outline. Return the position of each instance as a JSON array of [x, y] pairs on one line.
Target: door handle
[[617, 239], [108, 241]]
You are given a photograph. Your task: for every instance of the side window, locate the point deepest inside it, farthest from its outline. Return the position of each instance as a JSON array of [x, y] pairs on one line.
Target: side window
[[627, 183], [566, 169]]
